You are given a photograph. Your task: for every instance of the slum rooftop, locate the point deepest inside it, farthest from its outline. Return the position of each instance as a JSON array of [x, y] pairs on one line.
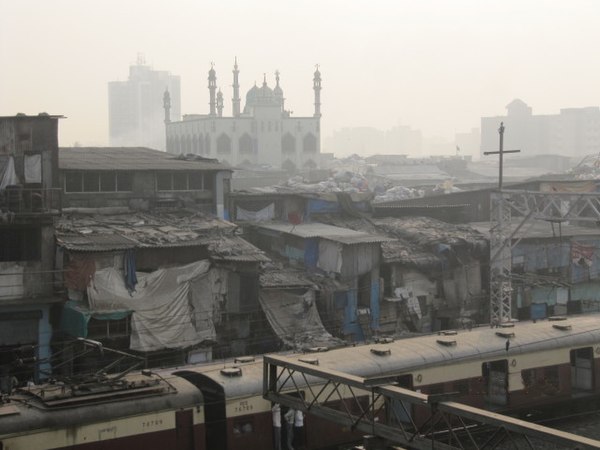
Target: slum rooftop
[[132, 158], [324, 231], [99, 233], [539, 229], [416, 240]]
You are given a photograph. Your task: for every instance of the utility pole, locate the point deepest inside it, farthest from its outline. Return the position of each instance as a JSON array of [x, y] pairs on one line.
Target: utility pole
[[500, 245], [501, 153]]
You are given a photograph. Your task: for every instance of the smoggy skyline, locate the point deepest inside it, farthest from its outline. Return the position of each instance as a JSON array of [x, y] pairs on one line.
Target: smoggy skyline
[[436, 66]]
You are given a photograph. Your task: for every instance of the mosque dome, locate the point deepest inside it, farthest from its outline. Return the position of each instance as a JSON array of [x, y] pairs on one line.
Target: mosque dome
[[262, 96]]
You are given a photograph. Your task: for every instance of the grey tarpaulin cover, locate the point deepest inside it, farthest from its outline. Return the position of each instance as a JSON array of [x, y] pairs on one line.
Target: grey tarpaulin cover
[[294, 318], [162, 314]]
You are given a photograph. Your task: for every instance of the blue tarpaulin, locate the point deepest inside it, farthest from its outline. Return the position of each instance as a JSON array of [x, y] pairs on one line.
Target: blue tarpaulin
[[538, 311]]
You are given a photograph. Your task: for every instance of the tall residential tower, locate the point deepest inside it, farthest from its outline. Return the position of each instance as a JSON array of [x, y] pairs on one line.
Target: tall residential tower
[[135, 113]]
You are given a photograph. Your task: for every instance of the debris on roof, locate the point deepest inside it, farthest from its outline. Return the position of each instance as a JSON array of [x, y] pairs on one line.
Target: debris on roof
[[98, 233], [285, 278], [416, 240]]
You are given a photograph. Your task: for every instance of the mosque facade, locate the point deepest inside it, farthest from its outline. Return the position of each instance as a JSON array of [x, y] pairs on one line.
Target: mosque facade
[[263, 134]]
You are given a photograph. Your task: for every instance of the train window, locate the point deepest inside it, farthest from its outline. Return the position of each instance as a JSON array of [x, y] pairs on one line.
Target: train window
[[582, 369], [461, 386], [528, 378], [243, 427], [435, 389]]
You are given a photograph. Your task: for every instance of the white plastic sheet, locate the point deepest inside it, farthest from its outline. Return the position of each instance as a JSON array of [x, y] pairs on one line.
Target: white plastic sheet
[[33, 168], [9, 176], [330, 256], [162, 315], [11, 281], [262, 215]]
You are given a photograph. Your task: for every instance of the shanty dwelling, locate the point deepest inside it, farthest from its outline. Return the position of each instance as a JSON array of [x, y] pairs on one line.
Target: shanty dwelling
[[432, 273], [173, 287], [291, 204], [453, 257], [29, 200], [142, 179], [555, 270], [349, 258]]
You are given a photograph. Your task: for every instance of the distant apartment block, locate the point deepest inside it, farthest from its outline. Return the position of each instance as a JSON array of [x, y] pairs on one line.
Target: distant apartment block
[[135, 112], [573, 132]]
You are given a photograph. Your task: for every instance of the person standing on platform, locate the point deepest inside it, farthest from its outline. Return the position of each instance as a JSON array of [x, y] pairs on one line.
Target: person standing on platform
[[299, 430], [276, 410], [289, 421]]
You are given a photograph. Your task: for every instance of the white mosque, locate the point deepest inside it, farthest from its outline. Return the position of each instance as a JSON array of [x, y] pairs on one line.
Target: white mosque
[[264, 133]]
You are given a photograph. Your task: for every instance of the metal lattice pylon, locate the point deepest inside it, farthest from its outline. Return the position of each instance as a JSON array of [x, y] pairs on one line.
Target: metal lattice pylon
[[500, 259]]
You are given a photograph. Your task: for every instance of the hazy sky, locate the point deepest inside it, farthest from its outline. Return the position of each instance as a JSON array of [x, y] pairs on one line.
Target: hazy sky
[[433, 65]]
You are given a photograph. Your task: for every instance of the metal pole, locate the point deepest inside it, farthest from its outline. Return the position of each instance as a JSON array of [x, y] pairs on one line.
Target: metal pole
[[501, 152]]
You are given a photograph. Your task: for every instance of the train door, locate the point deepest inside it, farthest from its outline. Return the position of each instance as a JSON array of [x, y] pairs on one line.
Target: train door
[[215, 419], [184, 425], [582, 369], [401, 412], [495, 375]]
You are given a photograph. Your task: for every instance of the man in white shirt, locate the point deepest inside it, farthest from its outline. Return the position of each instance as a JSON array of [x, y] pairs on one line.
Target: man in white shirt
[[276, 410], [289, 421], [299, 430]]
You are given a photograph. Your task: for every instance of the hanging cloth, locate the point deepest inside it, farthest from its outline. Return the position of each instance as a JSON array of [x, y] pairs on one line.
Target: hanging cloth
[[129, 271], [9, 176]]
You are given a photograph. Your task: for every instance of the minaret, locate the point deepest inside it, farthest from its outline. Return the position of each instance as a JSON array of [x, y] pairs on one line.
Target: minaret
[[212, 87], [167, 106], [220, 103], [278, 91], [236, 90], [317, 89]]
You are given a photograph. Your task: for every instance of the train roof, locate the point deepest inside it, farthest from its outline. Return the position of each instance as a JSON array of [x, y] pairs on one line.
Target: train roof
[[51, 406], [244, 377]]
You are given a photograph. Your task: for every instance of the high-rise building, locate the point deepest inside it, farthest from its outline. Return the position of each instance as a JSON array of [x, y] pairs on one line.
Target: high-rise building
[[135, 114], [263, 133], [573, 132]]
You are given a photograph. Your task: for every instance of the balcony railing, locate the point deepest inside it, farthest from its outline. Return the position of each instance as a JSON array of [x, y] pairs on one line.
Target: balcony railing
[[26, 200]]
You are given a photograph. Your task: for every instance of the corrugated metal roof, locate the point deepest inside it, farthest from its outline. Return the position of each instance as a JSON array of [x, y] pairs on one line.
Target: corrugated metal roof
[[143, 230], [94, 242], [130, 158], [324, 231], [234, 248], [278, 278]]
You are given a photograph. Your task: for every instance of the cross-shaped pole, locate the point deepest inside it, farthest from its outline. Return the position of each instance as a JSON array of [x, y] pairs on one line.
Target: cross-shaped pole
[[501, 152]]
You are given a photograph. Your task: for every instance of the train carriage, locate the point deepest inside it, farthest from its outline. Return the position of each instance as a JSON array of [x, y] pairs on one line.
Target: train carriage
[[516, 367], [137, 411]]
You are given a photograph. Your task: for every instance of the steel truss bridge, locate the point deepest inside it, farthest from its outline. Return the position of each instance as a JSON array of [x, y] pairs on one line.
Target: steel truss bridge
[[512, 212], [380, 408]]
